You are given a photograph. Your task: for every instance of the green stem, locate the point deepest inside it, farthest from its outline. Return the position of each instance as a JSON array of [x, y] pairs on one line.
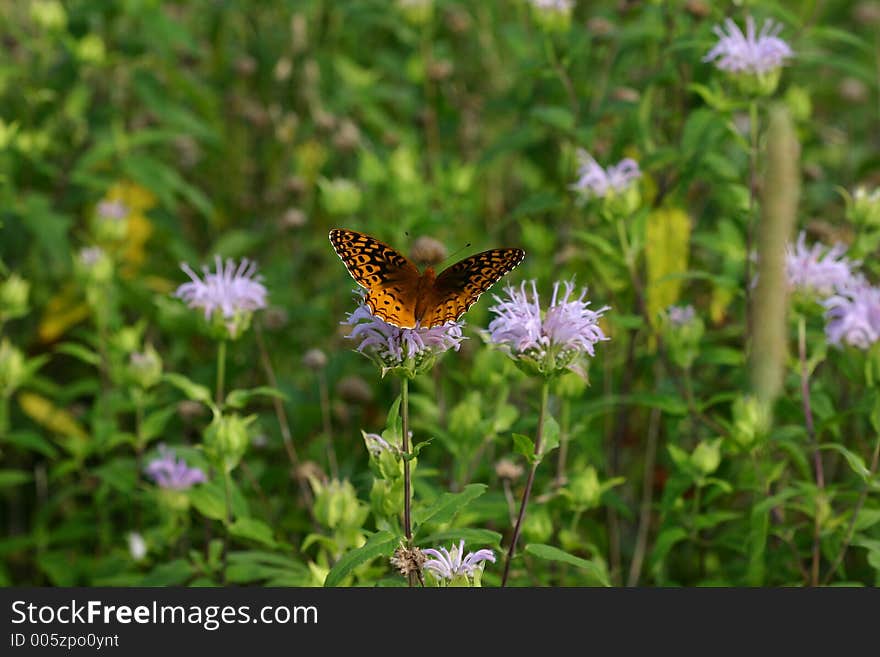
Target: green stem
[[750, 220], [511, 550], [228, 499], [817, 457], [221, 371], [407, 474]]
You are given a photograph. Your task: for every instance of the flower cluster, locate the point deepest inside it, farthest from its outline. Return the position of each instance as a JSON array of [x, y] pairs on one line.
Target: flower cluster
[[818, 270], [229, 295], [853, 316], [546, 342], [755, 53], [407, 350], [453, 566], [754, 58], [593, 180], [172, 473], [679, 316]]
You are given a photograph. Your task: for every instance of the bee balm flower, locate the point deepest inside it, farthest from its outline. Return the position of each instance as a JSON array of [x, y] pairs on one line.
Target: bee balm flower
[[757, 56]]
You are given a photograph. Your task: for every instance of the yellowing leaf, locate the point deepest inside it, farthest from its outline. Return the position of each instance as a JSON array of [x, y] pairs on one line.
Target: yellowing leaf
[[59, 421], [139, 231], [136, 198], [667, 241], [61, 312]]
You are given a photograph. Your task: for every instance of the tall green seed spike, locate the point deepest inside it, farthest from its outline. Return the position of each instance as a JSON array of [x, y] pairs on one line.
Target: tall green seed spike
[[778, 210]]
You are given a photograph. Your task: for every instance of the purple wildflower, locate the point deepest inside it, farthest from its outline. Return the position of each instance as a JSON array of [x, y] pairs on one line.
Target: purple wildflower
[[231, 290], [376, 444], [680, 315], [853, 316], [596, 181], [452, 563], [819, 269], [401, 347], [752, 53], [173, 473], [562, 6], [91, 255], [112, 210], [567, 328]]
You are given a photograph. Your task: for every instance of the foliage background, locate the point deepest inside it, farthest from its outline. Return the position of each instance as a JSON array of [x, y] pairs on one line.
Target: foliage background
[[250, 129]]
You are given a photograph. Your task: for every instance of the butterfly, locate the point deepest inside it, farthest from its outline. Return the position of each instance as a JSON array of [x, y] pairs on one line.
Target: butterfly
[[401, 295]]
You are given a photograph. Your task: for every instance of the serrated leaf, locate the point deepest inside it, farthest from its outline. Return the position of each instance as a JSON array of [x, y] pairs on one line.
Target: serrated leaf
[[380, 544], [471, 536], [550, 553], [447, 505]]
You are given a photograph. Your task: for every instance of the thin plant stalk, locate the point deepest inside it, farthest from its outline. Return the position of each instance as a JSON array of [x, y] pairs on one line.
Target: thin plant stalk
[[219, 392], [511, 550], [850, 530], [407, 475], [635, 567], [750, 220], [817, 457], [221, 371], [324, 394], [281, 416]]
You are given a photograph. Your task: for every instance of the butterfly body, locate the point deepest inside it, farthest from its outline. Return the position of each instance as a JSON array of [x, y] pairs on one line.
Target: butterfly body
[[401, 295]]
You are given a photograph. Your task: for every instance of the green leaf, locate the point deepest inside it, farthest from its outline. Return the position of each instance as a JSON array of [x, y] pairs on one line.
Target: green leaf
[[209, 501], [380, 544], [195, 391], [447, 505], [524, 445], [171, 573], [668, 403], [856, 462], [239, 398], [154, 424], [254, 530], [471, 536], [550, 437], [550, 553], [10, 478], [32, 441], [80, 352]]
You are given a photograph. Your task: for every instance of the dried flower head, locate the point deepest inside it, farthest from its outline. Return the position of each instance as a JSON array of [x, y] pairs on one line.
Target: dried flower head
[[428, 251], [170, 472], [409, 561], [405, 350], [507, 469], [315, 359], [354, 390], [453, 566], [550, 341], [229, 295]]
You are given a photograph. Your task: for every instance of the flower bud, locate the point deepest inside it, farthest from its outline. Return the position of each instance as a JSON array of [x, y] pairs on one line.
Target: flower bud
[[14, 297], [337, 505], [584, 489], [315, 359], [12, 367], [417, 12], [864, 207], [706, 457], [145, 368], [339, 196], [226, 439], [751, 421]]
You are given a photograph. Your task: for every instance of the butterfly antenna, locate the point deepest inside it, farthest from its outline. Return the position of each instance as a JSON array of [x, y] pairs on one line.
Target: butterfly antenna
[[451, 256]]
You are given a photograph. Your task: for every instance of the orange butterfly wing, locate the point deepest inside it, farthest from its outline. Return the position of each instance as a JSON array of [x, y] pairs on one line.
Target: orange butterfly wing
[[391, 281], [458, 287]]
